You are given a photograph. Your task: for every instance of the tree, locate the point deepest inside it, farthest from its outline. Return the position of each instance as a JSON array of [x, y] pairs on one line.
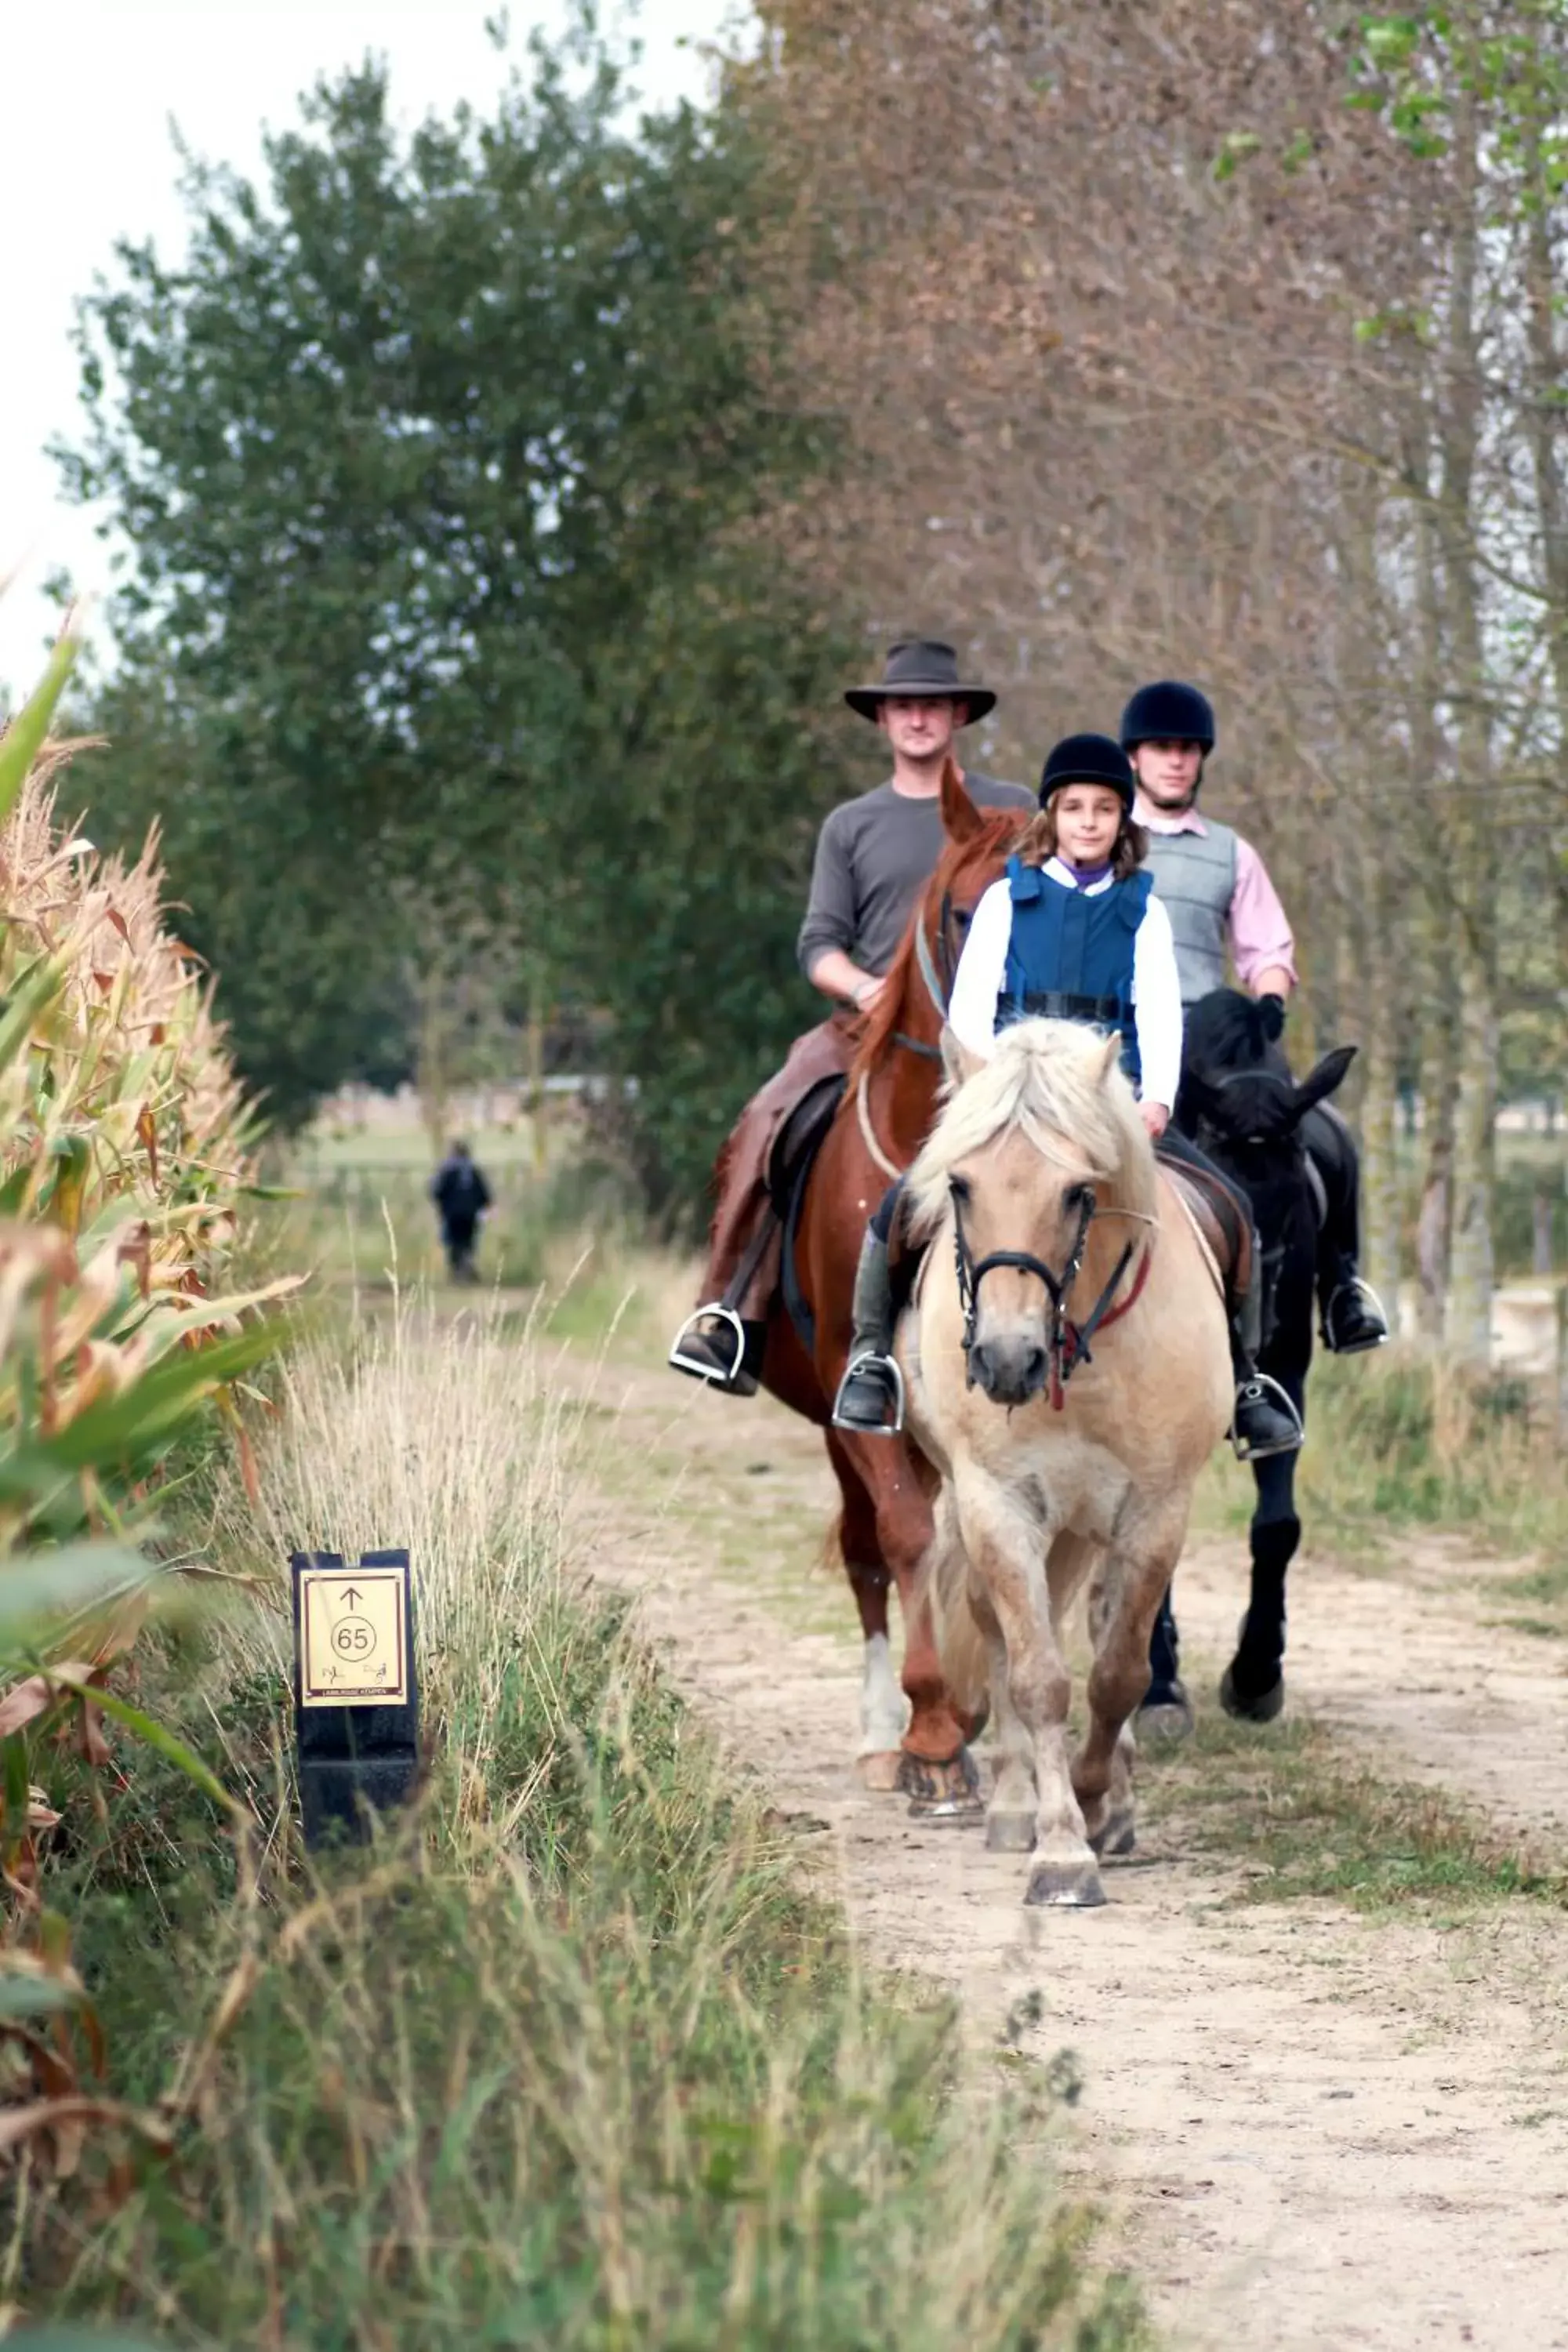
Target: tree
[[1225, 341], [441, 465]]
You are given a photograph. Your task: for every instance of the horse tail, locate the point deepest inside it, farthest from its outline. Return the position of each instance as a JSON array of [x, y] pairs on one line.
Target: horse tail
[[943, 1587]]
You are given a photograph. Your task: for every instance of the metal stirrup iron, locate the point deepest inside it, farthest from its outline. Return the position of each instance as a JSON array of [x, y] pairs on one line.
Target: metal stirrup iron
[[894, 1428], [694, 1364]]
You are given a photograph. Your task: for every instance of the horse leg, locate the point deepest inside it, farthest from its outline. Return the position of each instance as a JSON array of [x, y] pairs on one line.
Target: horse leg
[[936, 1770], [882, 1706], [1165, 1712], [1132, 1582], [1007, 1557], [1253, 1686], [1010, 1816], [1115, 1834]]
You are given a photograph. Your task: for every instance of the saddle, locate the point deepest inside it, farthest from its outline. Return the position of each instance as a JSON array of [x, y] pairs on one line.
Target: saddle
[[799, 1140], [1222, 1220]]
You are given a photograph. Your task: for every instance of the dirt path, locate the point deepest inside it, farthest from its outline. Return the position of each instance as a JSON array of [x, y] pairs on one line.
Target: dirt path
[[1313, 2128]]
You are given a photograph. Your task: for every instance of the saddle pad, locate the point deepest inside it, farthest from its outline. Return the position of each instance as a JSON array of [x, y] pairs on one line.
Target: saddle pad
[[800, 1137]]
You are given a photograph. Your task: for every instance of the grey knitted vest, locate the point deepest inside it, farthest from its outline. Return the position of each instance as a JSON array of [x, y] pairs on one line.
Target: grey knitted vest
[[1194, 874]]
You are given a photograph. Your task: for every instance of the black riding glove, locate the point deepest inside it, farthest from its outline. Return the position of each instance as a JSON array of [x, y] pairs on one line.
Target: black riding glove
[[1271, 1011]]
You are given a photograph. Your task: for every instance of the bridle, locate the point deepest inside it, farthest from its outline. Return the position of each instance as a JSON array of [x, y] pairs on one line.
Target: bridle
[[1067, 1343]]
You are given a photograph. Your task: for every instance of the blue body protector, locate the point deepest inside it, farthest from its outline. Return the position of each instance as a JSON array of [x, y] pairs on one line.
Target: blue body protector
[[1070, 956]]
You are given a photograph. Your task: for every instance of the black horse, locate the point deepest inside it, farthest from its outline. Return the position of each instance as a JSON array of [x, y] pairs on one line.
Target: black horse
[[1240, 1105]]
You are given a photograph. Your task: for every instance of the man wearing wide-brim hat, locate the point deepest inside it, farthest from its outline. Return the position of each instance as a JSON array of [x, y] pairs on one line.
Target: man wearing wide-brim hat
[[874, 857]]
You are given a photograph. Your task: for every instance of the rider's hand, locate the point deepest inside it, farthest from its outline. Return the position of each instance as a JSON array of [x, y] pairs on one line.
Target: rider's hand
[[1272, 1009], [1155, 1118], [867, 992]]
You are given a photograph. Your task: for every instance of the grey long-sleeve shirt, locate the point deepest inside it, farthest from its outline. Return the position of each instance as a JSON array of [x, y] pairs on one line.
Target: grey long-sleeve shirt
[[874, 857]]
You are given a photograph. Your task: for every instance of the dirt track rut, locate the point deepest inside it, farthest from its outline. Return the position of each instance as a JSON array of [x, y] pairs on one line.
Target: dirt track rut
[[1311, 2129]]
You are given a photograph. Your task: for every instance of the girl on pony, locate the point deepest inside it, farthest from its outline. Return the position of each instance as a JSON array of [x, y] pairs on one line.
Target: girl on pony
[[1072, 932]]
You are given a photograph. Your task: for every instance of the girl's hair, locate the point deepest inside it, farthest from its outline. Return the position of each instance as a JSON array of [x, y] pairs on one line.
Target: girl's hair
[[1040, 842]]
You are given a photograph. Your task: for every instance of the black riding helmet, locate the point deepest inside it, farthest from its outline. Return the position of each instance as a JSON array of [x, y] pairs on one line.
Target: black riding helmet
[[1168, 712], [1087, 760]]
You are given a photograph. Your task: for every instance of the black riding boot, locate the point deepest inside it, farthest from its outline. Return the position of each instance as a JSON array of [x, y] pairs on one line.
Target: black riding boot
[[1264, 1421], [1352, 1313], [870, 1399], [1352, 1316]]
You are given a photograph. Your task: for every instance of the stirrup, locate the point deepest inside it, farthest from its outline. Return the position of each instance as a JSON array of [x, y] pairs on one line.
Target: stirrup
[[694, 1364], [1273, 1394], [894, 1428], [1357, 1286]]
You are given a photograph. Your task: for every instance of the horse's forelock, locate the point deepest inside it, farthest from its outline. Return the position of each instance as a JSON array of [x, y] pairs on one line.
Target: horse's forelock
[[1224, 1030], [1049, 1079]]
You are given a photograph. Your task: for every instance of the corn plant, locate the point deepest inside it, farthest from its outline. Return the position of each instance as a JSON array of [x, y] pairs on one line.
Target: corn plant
[[124, 1157]]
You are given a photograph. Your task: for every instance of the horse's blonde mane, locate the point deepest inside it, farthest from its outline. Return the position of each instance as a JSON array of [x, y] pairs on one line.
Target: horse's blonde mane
[[1048, 1077]]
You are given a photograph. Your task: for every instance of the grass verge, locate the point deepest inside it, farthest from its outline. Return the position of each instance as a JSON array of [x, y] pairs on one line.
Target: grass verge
[[1303, 1819], [571, 2058], [1398, 1441]]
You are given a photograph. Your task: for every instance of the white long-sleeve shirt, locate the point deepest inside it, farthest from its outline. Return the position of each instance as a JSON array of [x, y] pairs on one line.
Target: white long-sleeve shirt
[[1157, 985]]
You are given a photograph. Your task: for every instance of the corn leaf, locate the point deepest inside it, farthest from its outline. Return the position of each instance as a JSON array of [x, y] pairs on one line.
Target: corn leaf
[[155, 1734], [22, 740], [40, 1584]]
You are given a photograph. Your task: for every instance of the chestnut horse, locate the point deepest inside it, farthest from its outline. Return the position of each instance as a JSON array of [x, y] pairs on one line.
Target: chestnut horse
[[885, 1524]]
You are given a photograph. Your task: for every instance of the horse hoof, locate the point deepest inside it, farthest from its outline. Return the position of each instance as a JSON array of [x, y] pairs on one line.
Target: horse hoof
[[1118, 1839], [1067, 1885], [879, 1771], [1010, 1833], [1163, 1722], [1261, 1709], [940, 1793]]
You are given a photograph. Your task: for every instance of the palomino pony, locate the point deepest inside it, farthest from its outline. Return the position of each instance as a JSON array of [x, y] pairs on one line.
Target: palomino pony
[[1070, 1372], [1246, 1110], [885, 1521]]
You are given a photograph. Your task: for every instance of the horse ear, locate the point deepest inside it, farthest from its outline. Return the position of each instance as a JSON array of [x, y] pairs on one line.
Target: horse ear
[[1321, 1081], [956, 1059], [960, 820], [1109, 1056]]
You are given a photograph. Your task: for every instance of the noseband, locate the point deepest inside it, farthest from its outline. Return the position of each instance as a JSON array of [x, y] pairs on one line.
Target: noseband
[[1067, 1343]]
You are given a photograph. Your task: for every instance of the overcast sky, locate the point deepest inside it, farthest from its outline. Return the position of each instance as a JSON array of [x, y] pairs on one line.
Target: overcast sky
[[86, 157]]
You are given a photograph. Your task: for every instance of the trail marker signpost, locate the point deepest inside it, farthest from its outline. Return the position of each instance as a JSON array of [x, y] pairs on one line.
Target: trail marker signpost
[[356, 1696]]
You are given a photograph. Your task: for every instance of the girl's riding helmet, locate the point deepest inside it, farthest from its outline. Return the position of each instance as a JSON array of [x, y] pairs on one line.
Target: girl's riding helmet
[[1087, 760], [1168, 712]]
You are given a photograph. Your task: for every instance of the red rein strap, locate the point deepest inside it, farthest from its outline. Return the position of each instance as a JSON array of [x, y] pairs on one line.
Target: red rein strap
[[1075, 1346]]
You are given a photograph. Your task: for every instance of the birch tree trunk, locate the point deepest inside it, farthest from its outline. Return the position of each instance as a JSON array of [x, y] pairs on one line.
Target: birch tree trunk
[[1469, 835]]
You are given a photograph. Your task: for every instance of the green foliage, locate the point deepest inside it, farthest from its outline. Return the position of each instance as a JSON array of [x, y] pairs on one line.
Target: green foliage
[[441, 462]]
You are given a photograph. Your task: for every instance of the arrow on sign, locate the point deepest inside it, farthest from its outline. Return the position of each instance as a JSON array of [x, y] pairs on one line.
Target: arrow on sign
[[352, 1597]]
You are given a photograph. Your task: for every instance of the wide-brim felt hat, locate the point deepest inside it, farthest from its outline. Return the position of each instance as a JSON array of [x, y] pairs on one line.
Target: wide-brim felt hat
[[923, 666], [1088, 759]]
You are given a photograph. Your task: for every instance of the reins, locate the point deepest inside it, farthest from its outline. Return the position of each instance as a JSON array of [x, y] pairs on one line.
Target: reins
[[938, 994], [1067, 1342]]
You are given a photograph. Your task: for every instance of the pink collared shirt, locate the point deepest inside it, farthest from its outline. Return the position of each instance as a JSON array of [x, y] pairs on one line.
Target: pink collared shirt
[[1260, 936]]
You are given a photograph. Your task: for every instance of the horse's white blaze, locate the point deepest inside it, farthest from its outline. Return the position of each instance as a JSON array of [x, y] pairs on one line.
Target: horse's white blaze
[[884, 1709]]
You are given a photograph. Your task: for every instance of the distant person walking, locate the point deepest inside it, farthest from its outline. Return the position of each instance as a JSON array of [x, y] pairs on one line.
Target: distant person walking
[[461, 1197]]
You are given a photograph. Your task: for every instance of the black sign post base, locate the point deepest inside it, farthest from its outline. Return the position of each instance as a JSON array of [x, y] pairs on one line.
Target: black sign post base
[[356, 1761]]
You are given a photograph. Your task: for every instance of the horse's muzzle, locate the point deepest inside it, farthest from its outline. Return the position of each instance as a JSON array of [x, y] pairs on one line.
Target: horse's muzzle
[[1009, 1370]]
